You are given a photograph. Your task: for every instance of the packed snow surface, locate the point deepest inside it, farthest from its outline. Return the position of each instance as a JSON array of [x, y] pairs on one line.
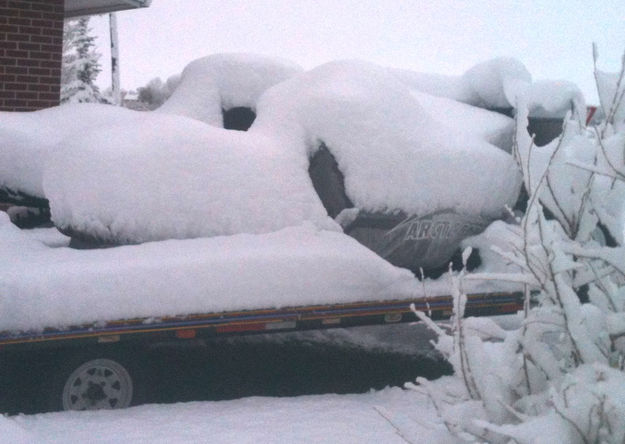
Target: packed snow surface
[[367, 418], [222, 81]]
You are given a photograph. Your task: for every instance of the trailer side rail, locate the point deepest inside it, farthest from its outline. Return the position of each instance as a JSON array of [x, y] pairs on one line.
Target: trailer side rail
[[262, 320]]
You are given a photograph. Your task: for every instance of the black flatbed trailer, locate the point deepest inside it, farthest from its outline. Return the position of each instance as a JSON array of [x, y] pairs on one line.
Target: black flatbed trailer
[[229, 323], [101, 365]]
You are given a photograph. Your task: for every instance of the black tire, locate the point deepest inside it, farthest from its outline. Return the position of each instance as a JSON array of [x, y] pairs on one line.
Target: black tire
[[97, 379]]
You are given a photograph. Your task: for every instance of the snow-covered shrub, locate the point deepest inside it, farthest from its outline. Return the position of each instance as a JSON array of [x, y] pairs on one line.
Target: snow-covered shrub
[[560, 377]]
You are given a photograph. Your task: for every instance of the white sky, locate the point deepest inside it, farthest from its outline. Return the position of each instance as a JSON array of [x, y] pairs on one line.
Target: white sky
[[551, 37]]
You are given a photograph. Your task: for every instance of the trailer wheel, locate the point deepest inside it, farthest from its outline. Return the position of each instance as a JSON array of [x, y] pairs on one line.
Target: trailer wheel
[[92, 382]]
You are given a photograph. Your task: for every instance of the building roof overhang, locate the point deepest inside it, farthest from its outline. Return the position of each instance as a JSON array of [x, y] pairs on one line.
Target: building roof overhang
[[76, 8]]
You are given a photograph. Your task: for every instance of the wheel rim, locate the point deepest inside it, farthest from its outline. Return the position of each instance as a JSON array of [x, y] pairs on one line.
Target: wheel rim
[[97, 384]]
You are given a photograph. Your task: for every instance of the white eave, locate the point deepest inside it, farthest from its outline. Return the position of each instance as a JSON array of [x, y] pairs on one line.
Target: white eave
[[75, 8]]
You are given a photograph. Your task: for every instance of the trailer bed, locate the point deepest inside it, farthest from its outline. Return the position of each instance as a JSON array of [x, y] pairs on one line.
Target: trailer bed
[[259, 321]]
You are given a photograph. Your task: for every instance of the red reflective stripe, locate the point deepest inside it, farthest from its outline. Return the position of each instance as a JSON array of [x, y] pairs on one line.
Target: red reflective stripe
[[239, 328], [188, 333]]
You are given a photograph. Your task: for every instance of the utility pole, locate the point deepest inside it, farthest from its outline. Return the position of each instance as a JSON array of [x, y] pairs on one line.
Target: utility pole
[[115, 90]]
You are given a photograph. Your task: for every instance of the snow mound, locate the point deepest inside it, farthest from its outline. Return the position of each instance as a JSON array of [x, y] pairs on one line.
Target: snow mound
[[490, 84], [394, 155], [496, 84], [475, 122], [27, 140], [224, 81], [554, 98], [169, 177]]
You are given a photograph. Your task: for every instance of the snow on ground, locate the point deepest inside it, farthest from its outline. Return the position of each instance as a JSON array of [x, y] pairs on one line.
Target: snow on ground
[[222, 81], [389, 416]]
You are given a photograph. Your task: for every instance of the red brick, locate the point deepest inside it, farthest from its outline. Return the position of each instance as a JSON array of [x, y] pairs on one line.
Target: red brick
[[30, 46], [16, 70], [13, 102], [8, 45], [31, 30], [51, 16], [48, 80], [48, 96], [7, 78], [28, 95], [27, 62], [39, 87], [18, 37], [39, 71], [20, 5], [49, 64], [7, 94], [50, 31], [7, 12], [41, 39], [31, 14], [9, 28], [46, 7], [43, 23], [20, 21], [27, 79], [15, 87], [40, 55], [16, 53]]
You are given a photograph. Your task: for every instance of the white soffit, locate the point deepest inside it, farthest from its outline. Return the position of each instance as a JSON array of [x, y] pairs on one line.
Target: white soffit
[[75, 8]]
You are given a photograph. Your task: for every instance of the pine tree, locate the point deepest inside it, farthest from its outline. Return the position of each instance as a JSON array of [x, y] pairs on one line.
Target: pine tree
[[81, 64]]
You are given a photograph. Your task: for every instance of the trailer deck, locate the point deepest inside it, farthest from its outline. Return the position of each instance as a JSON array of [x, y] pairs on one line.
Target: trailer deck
[[259, 321]]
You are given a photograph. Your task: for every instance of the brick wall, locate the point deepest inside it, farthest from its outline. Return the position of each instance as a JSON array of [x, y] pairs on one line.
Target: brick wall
[[31, 45]]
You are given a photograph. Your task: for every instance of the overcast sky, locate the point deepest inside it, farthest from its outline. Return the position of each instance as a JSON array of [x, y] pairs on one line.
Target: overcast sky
[[551, 37]]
